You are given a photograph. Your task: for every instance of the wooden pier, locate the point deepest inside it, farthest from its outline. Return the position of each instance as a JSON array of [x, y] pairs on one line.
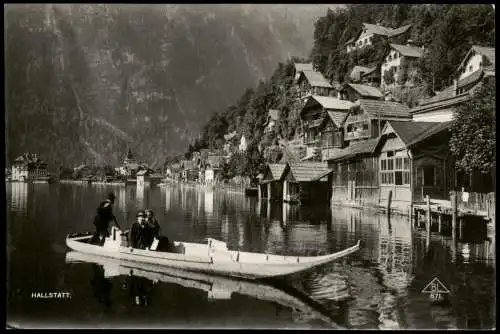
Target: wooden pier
[[455, 213]]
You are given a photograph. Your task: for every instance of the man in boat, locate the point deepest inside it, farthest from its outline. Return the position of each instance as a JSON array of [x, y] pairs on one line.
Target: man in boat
[[137, 232], [102, 219], [152, 230]]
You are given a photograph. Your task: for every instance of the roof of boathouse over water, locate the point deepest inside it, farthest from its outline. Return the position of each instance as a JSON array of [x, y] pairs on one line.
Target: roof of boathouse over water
[[308, 171]]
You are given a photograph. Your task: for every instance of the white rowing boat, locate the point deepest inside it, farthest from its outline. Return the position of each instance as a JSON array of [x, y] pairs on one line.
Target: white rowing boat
[[212, 257], [217, 287]]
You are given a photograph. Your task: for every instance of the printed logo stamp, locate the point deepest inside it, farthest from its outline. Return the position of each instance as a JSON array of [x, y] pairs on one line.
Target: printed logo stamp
[[435, 289]]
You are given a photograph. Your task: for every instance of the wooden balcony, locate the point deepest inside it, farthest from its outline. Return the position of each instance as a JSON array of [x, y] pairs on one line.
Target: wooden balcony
[[357, 134]]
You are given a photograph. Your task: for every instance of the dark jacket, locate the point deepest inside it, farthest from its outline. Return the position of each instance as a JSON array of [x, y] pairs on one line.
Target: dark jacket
[[104, 215], [138, 236]]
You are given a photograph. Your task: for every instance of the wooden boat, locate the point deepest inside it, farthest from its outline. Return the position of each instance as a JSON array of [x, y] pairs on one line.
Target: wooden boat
[[217, 287], [212, 257]]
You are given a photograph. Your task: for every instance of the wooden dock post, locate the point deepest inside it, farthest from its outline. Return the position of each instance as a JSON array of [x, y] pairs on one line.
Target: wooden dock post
[[389, 200], [428, 202], [440, 222], [454, 216]]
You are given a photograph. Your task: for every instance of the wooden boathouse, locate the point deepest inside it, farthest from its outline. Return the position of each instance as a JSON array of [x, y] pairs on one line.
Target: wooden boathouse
[[271, 185], [307, 182]]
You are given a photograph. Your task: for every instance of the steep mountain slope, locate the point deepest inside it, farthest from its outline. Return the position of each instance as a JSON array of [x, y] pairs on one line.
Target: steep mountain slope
[[84, 82]]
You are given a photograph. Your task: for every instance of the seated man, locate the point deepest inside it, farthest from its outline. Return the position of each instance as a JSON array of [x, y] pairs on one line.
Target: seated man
[[137, 232], [153, 232]]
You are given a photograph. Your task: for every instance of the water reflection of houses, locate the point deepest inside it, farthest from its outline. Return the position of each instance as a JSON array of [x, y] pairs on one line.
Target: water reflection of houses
[[19, 197], [209, 202], [395, 253]]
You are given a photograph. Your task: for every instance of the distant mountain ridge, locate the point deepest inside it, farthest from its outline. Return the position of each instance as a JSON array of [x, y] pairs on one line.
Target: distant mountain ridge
[[86, 82]]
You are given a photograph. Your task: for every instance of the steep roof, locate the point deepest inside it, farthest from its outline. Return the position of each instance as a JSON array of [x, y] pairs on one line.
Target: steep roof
[[408, 51], [307, 171], [274, 114], [316, 79], [277, 170], [382, 108], [380, 30], [329, 102], [365, 90], [303, 67], [337, 117], [362, 147], [447, 96], [142, 172], [412, 133]]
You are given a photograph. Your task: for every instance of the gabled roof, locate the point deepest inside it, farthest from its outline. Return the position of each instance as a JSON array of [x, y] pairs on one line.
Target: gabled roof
[[331, 103], [337, 118], [412, 133], [362, 147], [372, 70], [365, 90], [274, 114], [277, 171], [408, 51], [380, 30], [316, 79], [230, 136], [307, 171], [303, 67], [384, 109], [487, 52]]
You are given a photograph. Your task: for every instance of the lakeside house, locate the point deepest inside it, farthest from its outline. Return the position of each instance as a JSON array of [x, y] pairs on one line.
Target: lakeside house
[[213, 169], [230, 142], [314, 83], [301, 67], [366, 119], [28, 167], [322, 113], [271, 184], [477, 66], [369, 32], [353, 92], [306, 182], [409, 159], [189, 172], [402, 60]]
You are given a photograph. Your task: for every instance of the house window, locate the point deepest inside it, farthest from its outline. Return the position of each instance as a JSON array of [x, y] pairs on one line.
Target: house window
[[480, 64], [470, 68], [395, 56], [429, 173], [394, 170], [389, 58]]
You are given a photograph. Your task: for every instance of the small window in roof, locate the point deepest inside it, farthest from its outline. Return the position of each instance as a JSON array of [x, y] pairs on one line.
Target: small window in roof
[[470, 68]]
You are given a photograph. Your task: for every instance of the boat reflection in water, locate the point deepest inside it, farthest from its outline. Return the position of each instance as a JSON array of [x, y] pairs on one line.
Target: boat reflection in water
[[141, 278]]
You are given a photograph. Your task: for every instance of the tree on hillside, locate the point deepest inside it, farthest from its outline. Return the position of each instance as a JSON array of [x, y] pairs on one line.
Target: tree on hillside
[[473, 132]]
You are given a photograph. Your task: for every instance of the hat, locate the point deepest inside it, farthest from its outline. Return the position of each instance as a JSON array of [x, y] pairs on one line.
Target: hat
[[140, 213], [111, 196], [149, 211]]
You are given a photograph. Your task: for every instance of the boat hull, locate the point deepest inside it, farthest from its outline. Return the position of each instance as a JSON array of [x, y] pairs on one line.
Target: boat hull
[[202, 258]]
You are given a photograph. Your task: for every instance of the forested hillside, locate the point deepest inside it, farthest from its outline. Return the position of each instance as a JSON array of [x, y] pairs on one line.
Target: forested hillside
[[87, 81], [446, 31]]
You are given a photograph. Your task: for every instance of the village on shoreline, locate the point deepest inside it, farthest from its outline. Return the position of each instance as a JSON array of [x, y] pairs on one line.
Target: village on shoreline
[[356, 145]]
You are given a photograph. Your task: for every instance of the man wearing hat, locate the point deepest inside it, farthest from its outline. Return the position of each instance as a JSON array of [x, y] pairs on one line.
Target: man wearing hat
[[137, 231], [102, 219]]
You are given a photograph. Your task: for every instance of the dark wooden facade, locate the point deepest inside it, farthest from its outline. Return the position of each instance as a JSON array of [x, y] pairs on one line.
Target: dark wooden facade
[[307, 183]]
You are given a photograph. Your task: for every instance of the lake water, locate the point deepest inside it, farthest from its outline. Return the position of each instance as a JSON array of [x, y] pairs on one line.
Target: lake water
[[378, 287]]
